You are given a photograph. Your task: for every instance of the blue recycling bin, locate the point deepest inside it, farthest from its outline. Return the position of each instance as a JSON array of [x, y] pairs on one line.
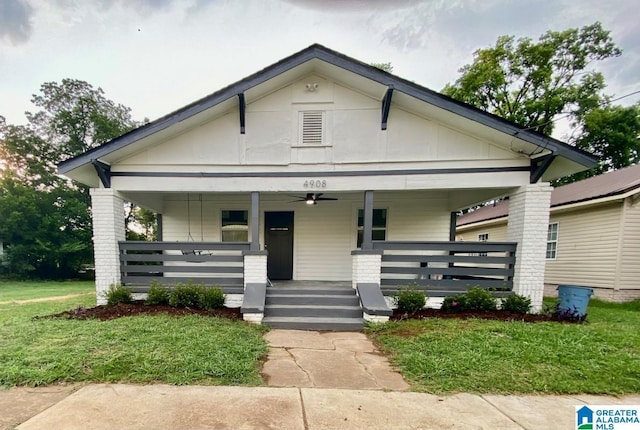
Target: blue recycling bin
[[573, 297]]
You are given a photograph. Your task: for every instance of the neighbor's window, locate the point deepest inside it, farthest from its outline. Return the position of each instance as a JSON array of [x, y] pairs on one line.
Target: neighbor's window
[[235, 226], [552, 241], [483, 237], [379, 231]]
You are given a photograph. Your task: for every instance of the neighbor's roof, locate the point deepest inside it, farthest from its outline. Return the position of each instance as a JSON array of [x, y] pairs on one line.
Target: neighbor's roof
[[609, 184], [344, 62]]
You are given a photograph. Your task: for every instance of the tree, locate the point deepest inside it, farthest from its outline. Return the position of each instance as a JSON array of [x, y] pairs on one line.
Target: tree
[[612, 133], [387, 67], [47, 228], [530, 83]]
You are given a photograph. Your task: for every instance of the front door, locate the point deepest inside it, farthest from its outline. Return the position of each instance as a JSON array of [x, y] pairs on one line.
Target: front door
[[278, 238]]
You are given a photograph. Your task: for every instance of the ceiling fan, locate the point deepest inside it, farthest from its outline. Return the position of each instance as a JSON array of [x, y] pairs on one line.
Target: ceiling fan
[[312, 198]]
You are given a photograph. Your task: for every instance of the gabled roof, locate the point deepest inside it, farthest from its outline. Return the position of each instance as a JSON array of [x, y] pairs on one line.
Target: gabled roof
[[545, 144], [615, 183]]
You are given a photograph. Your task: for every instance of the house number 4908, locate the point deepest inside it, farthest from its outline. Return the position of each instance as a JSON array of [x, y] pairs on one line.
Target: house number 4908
[[315, 183]]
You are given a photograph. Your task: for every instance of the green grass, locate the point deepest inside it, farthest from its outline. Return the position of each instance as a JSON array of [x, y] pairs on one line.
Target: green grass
[[442, 356], [27, 290], [142, 349]]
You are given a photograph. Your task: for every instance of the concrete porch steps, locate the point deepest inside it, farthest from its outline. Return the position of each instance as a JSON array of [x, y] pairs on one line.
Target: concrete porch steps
[[315, 308]]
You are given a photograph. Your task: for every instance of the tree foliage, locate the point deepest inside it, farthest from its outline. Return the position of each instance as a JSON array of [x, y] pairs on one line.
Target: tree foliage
[[612, 133], [530, 83], [46, 224]]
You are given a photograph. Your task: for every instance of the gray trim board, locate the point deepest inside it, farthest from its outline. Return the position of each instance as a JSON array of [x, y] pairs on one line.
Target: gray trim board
[[337, 59], [326, 173]]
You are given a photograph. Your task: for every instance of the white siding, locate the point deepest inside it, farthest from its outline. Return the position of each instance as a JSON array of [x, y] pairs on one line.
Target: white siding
[[587, 247], [352, 134], [630, 250]]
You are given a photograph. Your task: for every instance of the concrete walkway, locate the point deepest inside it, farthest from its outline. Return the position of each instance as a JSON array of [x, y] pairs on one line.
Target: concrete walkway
[[196, 407], [327, 360]]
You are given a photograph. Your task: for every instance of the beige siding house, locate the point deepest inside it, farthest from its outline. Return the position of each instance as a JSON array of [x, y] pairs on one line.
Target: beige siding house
[[321, 168], [593, 238]]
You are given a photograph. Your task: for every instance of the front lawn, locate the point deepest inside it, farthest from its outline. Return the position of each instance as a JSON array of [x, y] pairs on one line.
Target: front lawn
[[443, 356], [173, 350], [28, 290]]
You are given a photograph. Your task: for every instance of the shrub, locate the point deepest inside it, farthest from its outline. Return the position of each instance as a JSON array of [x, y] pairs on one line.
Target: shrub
[[455, 303], [479, 299], [118, 294], [211, 298], [476, 299], [157, 294], [409, 299], [516, 303], [185, 295]]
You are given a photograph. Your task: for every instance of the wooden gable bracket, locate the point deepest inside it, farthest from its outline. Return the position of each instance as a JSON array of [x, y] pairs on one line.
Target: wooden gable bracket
[[242, 111], [104, 172], [539, 166], [386, 105]]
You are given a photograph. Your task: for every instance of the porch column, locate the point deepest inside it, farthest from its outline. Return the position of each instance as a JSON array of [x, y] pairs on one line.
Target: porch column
[[528, 225], [255, 221], [108, 229], [255, 280], [367, 230]]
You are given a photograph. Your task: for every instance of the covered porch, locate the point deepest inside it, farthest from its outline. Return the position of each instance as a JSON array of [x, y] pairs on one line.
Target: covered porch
[[356, 255]]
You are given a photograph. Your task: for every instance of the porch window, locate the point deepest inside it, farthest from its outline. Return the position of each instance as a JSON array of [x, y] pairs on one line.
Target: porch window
[[552, 241], [379, 231], [235, 226]]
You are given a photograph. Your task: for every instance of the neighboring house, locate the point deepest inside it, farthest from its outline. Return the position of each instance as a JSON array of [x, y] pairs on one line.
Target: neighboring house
[[593, 237], [322, 168]]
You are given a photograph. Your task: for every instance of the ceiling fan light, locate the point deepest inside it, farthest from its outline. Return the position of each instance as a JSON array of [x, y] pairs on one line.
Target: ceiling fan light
[[310, 202]]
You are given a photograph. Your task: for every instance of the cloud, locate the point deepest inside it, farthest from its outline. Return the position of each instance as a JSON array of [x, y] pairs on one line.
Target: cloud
[[353, 5], [15, 21]]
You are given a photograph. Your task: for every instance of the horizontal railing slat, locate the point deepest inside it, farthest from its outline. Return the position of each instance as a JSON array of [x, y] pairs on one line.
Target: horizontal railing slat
[[142, 268], [453, 270], [445, 246], [488, 259], [462, 283], [183, 246], [146, 280], [190, 258]]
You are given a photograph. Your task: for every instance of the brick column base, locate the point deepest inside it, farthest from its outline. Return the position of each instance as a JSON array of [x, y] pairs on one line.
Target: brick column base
[[528, 225], [108, 229], [366, 266]]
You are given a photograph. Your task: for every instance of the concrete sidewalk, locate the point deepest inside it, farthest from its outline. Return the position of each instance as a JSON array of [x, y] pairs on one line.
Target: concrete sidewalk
[[197, 407]]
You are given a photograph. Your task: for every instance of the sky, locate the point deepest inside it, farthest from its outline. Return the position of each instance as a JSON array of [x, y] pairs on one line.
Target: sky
[[156, 56]]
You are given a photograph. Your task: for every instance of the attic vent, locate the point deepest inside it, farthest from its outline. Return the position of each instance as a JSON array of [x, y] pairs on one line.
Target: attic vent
[[312, 128]]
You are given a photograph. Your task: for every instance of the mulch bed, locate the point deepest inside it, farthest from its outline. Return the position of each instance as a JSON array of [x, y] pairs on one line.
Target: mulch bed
[[487, 315], [105, 313]]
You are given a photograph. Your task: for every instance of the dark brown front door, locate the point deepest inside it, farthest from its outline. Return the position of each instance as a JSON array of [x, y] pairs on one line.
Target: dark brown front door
[[278, 237]]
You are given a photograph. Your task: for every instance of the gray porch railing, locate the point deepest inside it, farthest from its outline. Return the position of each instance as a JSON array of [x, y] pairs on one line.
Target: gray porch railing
[[208, 263], [447, 268]]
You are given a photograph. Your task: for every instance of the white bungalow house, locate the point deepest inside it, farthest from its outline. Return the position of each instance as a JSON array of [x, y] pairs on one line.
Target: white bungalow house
[[593, 238], [323, 168]]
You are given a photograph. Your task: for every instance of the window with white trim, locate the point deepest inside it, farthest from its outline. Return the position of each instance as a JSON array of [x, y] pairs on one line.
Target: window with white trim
[[312, 128], [235, 226], [483, 237], [552, 241], [379, 229]]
